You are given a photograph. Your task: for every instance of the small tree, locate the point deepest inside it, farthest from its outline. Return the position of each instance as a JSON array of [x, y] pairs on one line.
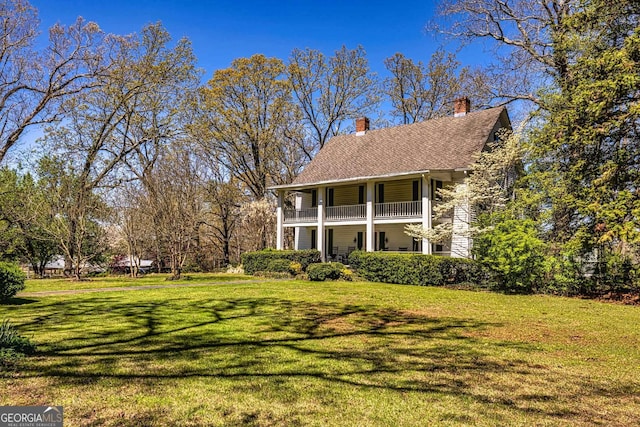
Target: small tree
[[515, 253], [485, 192], [259, 222]]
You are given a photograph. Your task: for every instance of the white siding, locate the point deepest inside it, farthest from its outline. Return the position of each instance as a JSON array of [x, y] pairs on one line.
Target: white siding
[[303, 238], [460, 241], [344, 236], [304, 200], [398, 191], [396, 237], [347, 195]]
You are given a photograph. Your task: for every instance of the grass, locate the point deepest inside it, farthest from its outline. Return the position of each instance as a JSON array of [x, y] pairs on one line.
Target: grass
[[301, 353], [45, 285]]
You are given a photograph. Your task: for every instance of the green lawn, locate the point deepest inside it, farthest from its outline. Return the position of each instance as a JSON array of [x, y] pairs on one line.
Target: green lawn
[[301, 353], [45, 285]]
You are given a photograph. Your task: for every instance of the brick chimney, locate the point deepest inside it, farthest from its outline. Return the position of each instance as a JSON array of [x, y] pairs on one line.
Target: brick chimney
[[362, 125], [461, 107]]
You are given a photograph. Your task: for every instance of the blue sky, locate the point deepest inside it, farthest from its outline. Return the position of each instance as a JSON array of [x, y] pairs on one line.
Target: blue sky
[[224, 30]]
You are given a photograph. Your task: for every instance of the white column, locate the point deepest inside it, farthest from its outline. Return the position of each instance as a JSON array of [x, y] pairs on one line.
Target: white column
[[320, 232], [297, 234], [426, 211], [280, 221], [370, 213]]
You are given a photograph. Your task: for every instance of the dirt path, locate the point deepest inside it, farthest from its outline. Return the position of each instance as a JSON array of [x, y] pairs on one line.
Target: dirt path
[[131, 288]]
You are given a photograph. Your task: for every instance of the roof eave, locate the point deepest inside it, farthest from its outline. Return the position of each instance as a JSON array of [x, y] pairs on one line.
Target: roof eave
[[294, 186]]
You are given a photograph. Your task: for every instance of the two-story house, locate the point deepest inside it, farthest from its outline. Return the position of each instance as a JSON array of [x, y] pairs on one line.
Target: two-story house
[[361, 190]]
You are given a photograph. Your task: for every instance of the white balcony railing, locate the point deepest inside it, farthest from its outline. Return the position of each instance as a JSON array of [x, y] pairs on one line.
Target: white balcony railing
[[346, 212], [356, 212], [399, 209], [301, 215]]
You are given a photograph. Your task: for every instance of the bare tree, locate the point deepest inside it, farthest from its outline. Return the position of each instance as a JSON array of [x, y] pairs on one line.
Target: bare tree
[[32, 82], [111, 122], [524, 37], [421, 92], [248, 121], [179, 208], [132, 225], [331, 91]]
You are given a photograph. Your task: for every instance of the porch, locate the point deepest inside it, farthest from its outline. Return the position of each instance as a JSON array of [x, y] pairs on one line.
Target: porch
[[338, 241]]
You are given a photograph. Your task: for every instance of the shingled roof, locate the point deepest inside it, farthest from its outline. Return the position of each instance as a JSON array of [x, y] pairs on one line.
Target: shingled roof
[[447, 143]]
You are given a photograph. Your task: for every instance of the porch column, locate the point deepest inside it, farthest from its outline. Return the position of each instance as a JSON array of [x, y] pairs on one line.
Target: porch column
[[298, 230], [320, 233], [426, 212], [280, 221], [370, 214]]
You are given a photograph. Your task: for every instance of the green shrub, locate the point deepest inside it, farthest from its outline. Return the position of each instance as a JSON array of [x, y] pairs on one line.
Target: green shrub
[[273, 274], [355, 258], [326, 270], [347, 275], [279, 265], [11, 343], [11, 280], [259, 261], [295, 268], [416, 269], [515, 254], [462, 270], [407, 269], [618, 273]]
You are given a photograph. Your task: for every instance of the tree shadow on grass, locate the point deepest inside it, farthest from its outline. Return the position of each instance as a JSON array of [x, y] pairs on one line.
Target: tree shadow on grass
[[18, 301], [278, 341]]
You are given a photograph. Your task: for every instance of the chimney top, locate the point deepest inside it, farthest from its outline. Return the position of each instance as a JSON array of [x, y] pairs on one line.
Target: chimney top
[[362, 125], [461, 106]]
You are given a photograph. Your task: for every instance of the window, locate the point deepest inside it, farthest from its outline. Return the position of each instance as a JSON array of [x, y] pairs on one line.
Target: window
[[380, 193], [361, 195], [314, 240], [416, 190], [314, 198], [329, 196]]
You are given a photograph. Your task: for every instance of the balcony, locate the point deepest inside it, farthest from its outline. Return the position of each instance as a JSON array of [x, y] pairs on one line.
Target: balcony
[[346, 213], [293, 216], [394, 210], [399, 210]]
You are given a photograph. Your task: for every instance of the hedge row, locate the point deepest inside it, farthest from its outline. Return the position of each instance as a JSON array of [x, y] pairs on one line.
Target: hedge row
[[270, 259], [416, 269]]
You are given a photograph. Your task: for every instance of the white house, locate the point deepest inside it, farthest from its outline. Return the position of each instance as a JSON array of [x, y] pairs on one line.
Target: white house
[[361, 190]]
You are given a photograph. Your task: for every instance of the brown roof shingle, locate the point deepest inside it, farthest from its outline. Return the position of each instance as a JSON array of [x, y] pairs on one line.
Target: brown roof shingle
[[440, 144]]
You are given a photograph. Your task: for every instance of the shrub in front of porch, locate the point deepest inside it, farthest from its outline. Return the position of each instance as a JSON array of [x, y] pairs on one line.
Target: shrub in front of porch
[[415, 269], [268, 258], [328, 271]]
